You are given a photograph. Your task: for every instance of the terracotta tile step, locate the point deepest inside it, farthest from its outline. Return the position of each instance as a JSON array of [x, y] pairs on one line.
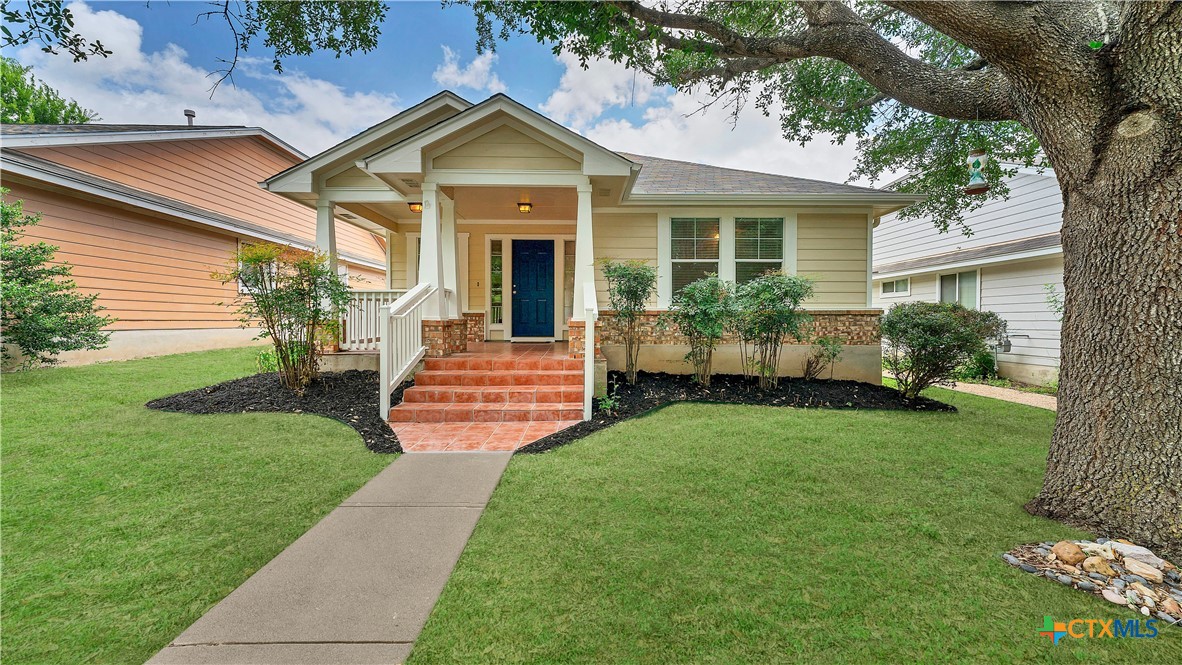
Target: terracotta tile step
[[477, 378], [526, 364], [493, 394], [484, 413]]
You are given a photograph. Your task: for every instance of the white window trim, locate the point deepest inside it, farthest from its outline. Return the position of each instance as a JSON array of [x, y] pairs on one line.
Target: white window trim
[[956, 274], [722, 233], [560, 326], [894, 294]]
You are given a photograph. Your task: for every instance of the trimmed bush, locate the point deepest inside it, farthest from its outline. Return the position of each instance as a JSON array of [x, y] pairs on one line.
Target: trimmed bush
[[925, 342], [630, 285], [703, 311], [825, 352], [769, 312]]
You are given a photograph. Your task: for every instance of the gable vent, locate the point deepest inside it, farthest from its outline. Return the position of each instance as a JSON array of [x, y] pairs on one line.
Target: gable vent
[[605, 192], [410, 183]]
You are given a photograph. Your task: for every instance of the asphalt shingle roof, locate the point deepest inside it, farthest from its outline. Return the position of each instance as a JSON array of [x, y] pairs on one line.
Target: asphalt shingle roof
[[91, 128], [976, 253], [669, 176]]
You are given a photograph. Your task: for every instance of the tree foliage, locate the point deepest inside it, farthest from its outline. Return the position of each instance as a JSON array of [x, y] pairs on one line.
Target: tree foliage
[[769, 312], [926, 342], [703, 311], [29, 102], [294, 297], [630, 285], [43, 312], [47, 23]]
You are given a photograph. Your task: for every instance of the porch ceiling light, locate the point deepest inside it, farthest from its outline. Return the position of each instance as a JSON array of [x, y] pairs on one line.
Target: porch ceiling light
[[415, 206], [525, 207]]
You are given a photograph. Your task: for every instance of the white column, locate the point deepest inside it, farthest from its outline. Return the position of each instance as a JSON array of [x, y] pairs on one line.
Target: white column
[[431, 254], [726, 248], [326, 232], [584, 251], [390, 236], [451, 275]]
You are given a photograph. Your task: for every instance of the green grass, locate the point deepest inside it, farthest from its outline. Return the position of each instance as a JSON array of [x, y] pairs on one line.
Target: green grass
[[122, 525], [735, 534]]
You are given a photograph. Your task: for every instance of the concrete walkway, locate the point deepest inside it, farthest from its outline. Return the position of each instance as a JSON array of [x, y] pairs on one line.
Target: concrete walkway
[[1009, 395], [358, 586]]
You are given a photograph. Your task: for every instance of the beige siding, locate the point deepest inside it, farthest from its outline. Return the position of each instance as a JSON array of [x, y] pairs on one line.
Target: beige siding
[[923, 288], [220, 175], [366, 278], [832, 250], [505, 148], [149, 273], [352, 177], [631, 236], [1016, 291]]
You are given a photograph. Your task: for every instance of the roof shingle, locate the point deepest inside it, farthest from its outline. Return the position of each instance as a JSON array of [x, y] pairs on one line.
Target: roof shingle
[[672, 177]]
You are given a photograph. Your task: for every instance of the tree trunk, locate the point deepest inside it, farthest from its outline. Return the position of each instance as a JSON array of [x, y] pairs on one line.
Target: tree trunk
[[1115, 462]]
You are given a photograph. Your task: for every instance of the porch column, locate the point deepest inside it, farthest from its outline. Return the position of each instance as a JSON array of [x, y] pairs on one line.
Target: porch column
[[390, 235], [326, 232], [584, 251], [451, 275], [431, 254]]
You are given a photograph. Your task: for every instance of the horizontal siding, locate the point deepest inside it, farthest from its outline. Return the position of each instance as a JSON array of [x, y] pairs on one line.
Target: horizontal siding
[[149, 273], [623, 237], [1016, 291], [1034, 207], [219, 175], [831, 249], [505, 148]]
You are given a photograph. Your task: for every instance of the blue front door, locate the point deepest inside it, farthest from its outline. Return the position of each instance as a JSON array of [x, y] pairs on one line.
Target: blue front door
[[533, 288]]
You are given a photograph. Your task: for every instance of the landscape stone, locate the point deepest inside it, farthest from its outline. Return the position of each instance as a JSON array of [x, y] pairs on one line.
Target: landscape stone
[[1145, 591], [1171, 606], [1097, 564], [1011, 559], [1086, 585], [1132, 597], [1134, 579], [1167, 618], [1119, 583], [1113, 597], [1043, 552], [1064, 579], [1028, 568], [1068, 552], [1145, 611], [1098, 577], [1137, 553], [1138, 567]]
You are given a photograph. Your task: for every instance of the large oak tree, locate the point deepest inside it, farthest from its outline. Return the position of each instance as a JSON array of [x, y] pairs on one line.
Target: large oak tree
[[1093, 89]]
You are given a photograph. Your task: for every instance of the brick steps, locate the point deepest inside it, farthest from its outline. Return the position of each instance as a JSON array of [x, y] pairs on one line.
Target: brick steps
[[484, 412], [487, 364], [493, 394], [505, 378]]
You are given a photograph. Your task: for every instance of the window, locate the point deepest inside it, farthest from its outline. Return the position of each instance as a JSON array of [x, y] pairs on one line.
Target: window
[[568, 278], [495, 285], [694, 249], [897, 287], [960, 288], [759, 246]]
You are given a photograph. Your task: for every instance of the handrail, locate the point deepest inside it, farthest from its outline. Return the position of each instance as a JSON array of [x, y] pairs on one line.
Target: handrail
[[591, 305], [361, 318], [401, 344]]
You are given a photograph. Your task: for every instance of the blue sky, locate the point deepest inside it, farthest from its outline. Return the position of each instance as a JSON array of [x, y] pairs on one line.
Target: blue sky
[[163, 57]]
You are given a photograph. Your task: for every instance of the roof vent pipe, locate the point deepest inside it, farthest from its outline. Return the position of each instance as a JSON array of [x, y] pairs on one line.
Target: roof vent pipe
[[190, 114]]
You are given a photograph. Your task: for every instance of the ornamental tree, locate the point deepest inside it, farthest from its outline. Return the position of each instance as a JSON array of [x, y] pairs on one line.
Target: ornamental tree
[[703, 311], [630, 285]]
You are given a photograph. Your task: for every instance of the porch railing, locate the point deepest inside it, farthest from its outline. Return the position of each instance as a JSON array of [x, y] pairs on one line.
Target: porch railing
[[401, 346], [361, 321], [592, 307]]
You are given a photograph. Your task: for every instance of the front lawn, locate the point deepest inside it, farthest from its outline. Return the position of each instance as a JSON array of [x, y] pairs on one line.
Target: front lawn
[[743, 534], [122, 525]]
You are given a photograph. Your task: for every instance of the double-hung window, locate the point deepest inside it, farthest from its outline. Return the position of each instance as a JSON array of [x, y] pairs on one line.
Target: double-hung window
[[959, 287], [694, 249], [759, 246]]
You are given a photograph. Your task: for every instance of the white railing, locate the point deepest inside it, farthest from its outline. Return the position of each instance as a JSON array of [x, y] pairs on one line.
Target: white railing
[[592, 306], [401, 340], [361, 322]]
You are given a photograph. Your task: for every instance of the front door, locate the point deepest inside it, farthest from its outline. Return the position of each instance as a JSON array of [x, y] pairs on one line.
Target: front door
[[533, 288]]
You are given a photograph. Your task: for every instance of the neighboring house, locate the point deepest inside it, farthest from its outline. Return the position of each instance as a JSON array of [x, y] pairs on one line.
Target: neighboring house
[[145, 213], [1004, 267], [505, 215]]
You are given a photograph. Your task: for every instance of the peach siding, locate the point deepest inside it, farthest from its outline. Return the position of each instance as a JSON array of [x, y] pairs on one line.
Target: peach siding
[[220, 175]]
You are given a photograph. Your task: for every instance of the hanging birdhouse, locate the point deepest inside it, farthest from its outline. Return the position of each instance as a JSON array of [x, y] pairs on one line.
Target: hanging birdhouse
[[976, 161]]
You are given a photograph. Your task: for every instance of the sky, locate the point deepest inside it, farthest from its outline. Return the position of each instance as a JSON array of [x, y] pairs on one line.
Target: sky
[[164, 54]]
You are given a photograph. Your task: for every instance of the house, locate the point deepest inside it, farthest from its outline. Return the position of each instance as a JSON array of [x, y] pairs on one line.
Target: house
[[144, 213], [496, 217], [1005, 266]]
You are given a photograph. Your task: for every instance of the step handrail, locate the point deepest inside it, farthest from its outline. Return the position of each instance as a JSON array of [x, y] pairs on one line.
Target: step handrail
[[591, 303], [401, 343]]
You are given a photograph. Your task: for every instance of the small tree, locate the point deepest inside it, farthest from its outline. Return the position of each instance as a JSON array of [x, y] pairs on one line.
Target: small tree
[[25, 101], [293, 296], [769, 312], [43, 312], [703, 311], [825, 352], [926, 342], [630, 284]]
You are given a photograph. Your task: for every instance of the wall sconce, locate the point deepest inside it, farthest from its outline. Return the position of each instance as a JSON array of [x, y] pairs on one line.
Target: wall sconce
[[415, 206], [525, 207]]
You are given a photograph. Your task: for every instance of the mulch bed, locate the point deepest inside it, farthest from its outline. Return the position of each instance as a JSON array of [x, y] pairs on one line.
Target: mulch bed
[[654, 390], [349, 397]]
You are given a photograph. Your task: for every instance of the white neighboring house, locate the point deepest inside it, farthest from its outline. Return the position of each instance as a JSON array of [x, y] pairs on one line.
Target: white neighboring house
[[1004, 266]]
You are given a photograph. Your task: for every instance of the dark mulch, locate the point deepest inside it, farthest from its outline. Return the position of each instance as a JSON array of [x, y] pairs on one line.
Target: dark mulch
[[654, 390], [349, 397]]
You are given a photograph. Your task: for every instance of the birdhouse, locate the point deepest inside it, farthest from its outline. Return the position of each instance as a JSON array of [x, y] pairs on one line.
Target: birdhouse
[[976, 161]]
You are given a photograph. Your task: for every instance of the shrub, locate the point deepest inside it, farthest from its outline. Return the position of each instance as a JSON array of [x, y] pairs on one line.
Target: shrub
[[43, 312], [630, 284], [825, 352], [768, 312], [703, 311], [292, 295], [978, 367], [925, 342]]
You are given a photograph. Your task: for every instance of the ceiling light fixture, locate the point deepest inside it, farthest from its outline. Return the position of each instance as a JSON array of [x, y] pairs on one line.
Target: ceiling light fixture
[[415, 206], [525, 207]]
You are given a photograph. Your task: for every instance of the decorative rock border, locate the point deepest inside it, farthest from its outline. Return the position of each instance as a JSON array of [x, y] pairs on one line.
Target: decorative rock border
[[1116, 570]]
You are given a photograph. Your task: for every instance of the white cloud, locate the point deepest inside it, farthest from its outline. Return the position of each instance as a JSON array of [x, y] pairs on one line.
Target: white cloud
[[478, 75], [132, 86], [674, 126], [584, 94]]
